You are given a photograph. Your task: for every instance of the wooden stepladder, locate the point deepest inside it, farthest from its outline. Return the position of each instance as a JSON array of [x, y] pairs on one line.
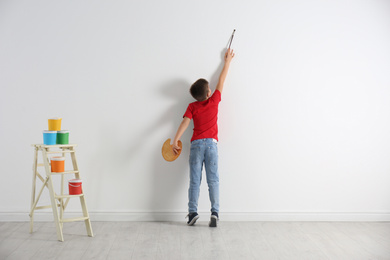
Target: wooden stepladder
[[60, 200]]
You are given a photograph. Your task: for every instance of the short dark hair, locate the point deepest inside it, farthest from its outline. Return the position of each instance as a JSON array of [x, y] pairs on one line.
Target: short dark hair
[[200, 89]]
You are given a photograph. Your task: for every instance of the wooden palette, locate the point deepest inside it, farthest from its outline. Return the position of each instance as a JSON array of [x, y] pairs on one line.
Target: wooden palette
[[167, 151]]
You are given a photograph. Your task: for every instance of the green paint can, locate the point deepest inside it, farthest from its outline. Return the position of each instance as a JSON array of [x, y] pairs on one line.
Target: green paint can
[[63, 137]]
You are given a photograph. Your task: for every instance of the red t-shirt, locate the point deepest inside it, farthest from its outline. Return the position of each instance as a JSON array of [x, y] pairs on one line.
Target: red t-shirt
[[205, 115]]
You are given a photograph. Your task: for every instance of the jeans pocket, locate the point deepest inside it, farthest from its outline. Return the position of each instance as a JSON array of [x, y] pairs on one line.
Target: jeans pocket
[[195, 155], [212, 157]]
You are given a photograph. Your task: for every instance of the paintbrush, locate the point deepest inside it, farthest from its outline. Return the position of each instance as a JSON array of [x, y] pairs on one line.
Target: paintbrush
[[231, 38]]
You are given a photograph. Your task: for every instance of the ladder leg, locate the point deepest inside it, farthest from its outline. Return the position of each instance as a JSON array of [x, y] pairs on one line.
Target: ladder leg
[[82, 198], [62, 204], [52, 198], [34, 181], [85, 214], [38, 197], [62, 201], [55, 211]]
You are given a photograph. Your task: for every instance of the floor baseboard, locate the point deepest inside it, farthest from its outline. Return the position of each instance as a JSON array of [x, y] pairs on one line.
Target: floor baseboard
[[224, 216]]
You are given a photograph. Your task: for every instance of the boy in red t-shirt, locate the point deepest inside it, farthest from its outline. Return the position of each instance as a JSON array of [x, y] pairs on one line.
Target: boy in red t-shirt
[[204, 140]]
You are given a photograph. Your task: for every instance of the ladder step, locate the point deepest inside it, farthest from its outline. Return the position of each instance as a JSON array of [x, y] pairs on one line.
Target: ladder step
[[65, 172], [73, 219], [68, 196], [61, 151], [43, 207], [54, 145]]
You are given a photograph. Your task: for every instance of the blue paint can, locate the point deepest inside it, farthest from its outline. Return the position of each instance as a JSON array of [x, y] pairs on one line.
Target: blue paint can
[[49, 137]]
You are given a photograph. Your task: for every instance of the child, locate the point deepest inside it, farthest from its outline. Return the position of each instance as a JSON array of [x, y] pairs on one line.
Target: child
[[204, 140]]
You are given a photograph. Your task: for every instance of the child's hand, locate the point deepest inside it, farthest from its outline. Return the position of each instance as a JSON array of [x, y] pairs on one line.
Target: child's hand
[[175, 148], [229, 55]]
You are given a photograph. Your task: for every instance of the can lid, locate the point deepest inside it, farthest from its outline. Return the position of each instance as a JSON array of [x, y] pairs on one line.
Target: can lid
[[57, 158], [63, 132], [49, 132], [55, 118], [75, 181]]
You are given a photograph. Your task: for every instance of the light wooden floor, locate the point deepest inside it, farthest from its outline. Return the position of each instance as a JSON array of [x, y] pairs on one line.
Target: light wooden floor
[[175, 240]]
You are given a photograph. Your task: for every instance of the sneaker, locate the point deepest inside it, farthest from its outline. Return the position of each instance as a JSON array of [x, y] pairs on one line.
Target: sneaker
[[192, 218], [213, 219]]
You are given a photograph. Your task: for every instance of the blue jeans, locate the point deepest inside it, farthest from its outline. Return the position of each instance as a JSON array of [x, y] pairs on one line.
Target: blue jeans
[[203, 151]]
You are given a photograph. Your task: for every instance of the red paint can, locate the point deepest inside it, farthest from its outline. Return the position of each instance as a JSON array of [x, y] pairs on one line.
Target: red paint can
[[75, 187]]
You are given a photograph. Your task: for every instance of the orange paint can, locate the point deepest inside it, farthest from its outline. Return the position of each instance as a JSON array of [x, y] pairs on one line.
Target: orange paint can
[[57, 164]]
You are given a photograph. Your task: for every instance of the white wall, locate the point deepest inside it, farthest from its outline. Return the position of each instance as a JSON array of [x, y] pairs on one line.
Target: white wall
[[304, 121]]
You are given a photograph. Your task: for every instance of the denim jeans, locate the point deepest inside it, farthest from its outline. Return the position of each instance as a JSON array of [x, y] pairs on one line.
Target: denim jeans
[[203, 151]]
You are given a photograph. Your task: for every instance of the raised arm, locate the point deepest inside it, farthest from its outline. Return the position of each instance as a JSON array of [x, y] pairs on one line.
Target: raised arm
[[183, 126], [228, 58]]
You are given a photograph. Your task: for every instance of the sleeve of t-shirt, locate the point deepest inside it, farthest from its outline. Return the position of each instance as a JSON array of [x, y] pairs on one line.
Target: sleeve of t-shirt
[[216, 97], [188, 112]]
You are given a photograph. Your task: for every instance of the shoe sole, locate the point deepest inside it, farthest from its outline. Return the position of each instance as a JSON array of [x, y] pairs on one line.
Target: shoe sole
[[193, 221], [213, 221]]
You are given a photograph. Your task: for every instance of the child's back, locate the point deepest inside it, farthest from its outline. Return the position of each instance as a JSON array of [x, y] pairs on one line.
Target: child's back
[[205, 116]]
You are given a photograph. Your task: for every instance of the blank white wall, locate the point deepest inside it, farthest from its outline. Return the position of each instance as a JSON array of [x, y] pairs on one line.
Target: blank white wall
[[304, 118]]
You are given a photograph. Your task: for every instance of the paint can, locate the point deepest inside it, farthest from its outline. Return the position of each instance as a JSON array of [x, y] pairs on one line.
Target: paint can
[[55, 124], [57, 164], [75, 187], [49, 137], [63, 137]]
